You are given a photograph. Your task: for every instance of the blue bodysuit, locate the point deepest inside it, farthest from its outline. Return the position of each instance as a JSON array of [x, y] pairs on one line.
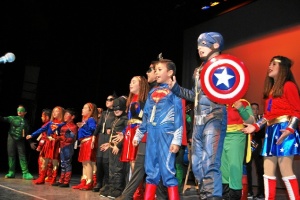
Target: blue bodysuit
[[162, 120]]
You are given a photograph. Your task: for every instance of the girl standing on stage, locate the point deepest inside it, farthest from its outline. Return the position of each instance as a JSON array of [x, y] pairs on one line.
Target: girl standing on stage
[[50, 149], [87, 153], [139, 89], [281, 115]]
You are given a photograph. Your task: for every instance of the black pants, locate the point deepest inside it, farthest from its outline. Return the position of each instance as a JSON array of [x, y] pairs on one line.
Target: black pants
[[117, 171], [258, 161], [102, 171]]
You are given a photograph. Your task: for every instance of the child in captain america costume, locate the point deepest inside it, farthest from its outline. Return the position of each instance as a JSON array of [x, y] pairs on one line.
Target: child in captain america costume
[[210, 122], [19, 127], [163, 122], [67, 138]]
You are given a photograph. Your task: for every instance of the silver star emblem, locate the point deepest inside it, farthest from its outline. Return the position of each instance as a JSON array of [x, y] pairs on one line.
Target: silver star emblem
[[223, 77]]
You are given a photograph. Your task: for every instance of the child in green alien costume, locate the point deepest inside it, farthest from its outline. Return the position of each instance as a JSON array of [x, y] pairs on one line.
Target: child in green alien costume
[[16, 142]]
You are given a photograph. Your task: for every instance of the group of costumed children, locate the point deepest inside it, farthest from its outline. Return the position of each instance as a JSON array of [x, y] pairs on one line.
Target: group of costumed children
[[156, 117], [142, 112]]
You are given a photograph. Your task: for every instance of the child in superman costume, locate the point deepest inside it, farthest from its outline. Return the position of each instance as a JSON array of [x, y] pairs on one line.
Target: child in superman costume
[[163, 122]]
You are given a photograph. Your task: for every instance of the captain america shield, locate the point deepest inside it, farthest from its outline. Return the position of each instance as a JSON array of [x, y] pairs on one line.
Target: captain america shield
[[224, 79]]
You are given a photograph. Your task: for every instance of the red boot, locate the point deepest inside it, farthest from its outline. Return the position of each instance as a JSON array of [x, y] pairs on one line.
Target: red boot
[[88, 186], [54, 175], [150, 191], [292, 187], [139, 193], [80, 185], [62, 177], [60, 181], [41, 178], [49, 172], [270, 187], [173, 193], [94, 180], [66, 181], [40, 164], [245, 188]]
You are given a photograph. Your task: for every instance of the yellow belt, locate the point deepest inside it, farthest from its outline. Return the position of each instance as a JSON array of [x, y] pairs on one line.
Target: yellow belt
[[237, 127], [85, 139], [234, 127], [283, 118], [134, 121]]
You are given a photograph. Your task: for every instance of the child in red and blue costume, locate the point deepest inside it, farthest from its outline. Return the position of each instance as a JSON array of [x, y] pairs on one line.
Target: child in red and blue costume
[[281, 119], [46, 116], [87, 153], [163, 121], [50, 150], [67, 138], [139, 89]]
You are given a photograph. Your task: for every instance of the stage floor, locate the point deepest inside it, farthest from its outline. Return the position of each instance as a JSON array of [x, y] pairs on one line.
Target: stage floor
[[19, 189]]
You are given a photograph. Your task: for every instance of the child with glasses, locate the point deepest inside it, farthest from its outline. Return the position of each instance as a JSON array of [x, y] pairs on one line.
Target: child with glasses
[[117, 169], [102, 133]]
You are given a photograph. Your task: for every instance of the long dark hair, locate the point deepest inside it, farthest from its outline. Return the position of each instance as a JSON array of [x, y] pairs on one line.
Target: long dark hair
[[285, 74], [143, 92]]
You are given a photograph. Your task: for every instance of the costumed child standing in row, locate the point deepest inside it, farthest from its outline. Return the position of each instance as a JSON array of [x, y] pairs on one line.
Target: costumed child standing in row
[[67, 138], [87, 152], [281, 118], [15, 142], [163, 121], [232, 159], [101, 132], [139, 89], [45, 117], [117, 169], [50, 150]]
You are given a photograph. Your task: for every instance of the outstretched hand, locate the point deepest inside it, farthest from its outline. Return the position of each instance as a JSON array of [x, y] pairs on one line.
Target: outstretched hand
[[28, 137], [249, 128]]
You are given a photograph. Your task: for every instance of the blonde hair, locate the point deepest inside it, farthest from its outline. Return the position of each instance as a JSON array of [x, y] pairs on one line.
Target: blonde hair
[[61, 113]]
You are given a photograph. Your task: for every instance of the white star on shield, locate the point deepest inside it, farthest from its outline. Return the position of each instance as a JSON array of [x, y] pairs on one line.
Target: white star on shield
[[223, 78]]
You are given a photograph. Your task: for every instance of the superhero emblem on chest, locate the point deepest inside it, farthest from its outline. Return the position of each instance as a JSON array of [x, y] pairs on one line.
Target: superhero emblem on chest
[[157, 95]]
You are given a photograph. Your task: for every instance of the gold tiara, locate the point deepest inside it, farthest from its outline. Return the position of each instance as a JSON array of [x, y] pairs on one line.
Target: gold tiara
[[277, 60]]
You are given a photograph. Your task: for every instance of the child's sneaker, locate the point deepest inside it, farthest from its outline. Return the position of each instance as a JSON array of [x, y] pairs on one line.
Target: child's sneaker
[[27, 176]]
